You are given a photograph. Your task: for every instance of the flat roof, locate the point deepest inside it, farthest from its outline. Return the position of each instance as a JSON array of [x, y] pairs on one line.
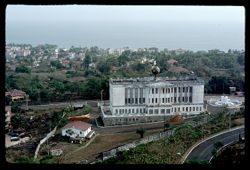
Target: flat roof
[[159, 80]]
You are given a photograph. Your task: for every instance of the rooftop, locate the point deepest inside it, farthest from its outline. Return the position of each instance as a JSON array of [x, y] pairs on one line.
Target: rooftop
[[159, 80], [77, 125]]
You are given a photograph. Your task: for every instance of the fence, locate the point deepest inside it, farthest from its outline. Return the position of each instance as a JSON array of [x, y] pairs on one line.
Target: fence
[[113, 152]]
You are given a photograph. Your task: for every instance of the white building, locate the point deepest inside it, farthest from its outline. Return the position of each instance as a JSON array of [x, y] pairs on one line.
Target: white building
[[149, 100], [76, 129]]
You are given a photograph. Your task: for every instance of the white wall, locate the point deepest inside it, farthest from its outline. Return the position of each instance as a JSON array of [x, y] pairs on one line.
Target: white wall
[[76, 132], [118, 96], [198, 94]]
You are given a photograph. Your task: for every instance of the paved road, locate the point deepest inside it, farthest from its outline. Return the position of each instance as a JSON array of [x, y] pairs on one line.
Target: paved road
[[204, 150]]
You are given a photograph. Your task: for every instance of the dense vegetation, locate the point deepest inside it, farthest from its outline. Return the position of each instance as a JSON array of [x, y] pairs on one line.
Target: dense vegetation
[[54, 81], [171, 149]]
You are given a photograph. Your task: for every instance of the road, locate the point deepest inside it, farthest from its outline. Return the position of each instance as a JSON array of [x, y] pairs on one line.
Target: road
[[128, 128], [61, 104], [204, 150]]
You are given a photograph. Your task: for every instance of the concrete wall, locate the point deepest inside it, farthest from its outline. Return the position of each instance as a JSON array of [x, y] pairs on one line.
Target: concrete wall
[[118, 96], [76, 132], [198, 94]]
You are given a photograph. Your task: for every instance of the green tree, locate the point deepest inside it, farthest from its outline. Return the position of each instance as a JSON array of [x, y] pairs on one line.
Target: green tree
[[87, 61], [26, 160], [22, 69], [141, 131]]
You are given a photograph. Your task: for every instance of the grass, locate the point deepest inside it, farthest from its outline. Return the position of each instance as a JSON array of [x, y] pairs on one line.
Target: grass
[[165, 150]]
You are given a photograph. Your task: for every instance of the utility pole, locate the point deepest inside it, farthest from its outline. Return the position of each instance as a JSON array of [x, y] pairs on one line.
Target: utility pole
[[27, 100], [101, 95]]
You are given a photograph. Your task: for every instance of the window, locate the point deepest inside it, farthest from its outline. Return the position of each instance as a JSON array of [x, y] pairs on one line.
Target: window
[[175, 109], [143, 100], [200, 108], [175, 99], [179, 99], [179, 89], [116, 111], [126, 100], [80, 133], [190, 99], [171, 99], [139, 100], [196, 108], [129, 100], [168, 110], [175, 89], [150, 111], [129, 111], [156, 111], [156, 90], [171, 90], [193, 108], [190, 109], [137, 110], [168, 90], [136, 100], [179, 109], [162, 100], [152, 100], [162, 111], [190, 89], [186, 109], [125, 110], [183, 109], [186, 89], [152, 90], [163, 90], [133, 110], [140, 110], [132, 100], [183, 99], [168, 100], [144, 110], [183, 89], [120, 111], [155, 100]]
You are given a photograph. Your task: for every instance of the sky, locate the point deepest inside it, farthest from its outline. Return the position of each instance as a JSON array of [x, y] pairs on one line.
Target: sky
[[172, 27]]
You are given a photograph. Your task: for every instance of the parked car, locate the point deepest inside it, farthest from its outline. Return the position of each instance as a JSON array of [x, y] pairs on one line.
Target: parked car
[[15, 138]]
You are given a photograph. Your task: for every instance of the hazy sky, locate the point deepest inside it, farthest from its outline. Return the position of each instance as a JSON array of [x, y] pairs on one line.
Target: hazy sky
[[188, 27]]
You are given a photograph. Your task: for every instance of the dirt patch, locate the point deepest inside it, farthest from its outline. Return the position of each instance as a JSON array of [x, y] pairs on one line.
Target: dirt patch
[[103, 143]]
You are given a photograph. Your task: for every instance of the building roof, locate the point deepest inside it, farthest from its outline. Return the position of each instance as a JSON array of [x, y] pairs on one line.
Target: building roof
[[172, 61], [8, 109], [14, 93], [80, 125]]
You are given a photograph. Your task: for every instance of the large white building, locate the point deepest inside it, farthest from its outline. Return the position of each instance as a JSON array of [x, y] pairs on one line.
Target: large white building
[[149, 100]]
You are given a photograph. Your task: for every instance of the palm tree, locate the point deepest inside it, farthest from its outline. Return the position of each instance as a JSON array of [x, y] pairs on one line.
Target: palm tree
[[141, 131]]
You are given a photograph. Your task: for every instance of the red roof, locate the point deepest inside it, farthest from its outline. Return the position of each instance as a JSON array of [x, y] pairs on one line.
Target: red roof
[[14, 93], [8, 109], [77, 125]]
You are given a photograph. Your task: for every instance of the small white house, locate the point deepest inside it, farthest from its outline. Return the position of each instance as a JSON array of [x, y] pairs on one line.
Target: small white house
[[76, 129]]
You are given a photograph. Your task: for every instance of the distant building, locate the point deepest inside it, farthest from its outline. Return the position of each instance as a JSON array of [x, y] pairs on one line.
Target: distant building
[[147, 100], [172, 62], [16, 94], [8, 115], [77, 129]]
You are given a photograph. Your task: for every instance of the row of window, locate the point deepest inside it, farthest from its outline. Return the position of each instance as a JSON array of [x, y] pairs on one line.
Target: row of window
[[170, 100], [156, 111], [168, 90], [134, 100]]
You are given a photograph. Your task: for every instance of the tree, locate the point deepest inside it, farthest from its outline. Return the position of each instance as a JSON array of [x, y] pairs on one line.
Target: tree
[[141, 131], [86, 61], [22, 69]]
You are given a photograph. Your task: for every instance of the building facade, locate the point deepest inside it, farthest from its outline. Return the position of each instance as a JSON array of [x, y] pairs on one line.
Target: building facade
[[144, 100]]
